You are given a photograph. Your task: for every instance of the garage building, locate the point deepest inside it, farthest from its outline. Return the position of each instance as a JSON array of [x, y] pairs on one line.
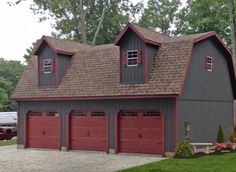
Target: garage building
[[131, 96]]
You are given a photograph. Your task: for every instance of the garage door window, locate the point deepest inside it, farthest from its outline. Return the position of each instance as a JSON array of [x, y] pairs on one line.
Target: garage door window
[[51, 113], [129, 113], [98, 113], [152, 113]]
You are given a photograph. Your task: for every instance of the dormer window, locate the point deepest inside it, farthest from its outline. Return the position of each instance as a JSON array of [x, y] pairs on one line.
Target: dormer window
[[209, 64], [47, 66], [132, 58]]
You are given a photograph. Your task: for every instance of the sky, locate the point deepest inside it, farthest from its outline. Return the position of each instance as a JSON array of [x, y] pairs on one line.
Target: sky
[[19, 28]]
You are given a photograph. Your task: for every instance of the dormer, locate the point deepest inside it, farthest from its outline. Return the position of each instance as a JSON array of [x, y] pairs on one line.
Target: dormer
[[138, 47], [54, 56]]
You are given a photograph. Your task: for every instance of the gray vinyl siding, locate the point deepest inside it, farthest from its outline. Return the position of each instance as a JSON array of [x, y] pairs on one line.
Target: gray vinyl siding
[[46, 79], [205, 118], [207, 98], [109, 106], [151, 54], [63, 63], [134, 74], [203, 85]]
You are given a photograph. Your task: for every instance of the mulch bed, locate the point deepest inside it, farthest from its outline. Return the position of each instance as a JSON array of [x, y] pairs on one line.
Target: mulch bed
[[201, 154]]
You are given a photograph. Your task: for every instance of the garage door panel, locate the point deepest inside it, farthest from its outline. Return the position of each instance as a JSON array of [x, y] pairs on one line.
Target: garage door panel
[[50, 142], [151, 133], [35, 142], [141, 132], [43, 132], [129, 134], [128, 146], [88, 132], [35, 131], [131, 123], [150, 122], [88, 144], [151, 146]]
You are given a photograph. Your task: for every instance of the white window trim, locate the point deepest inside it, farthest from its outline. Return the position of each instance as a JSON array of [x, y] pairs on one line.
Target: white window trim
[[45, 60], [210, 64], [133, 65]]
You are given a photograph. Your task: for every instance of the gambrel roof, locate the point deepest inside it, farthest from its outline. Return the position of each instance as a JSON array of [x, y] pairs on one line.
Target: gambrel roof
[[94, 72]]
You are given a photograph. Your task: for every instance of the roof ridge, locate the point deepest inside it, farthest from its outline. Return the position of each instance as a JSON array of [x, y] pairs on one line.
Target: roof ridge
[[151, 30], [64, 39]]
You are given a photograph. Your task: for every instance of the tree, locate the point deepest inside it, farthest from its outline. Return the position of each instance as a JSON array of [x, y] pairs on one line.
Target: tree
[[4, 85], [220, 135], [29, 52], [203, 16], [160, 15], [233, 31], [86, 21], [10, 73]]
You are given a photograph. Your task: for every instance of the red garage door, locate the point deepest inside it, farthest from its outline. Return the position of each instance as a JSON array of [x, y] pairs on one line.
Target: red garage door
[[141, 132], [88, 130], [43, 130]]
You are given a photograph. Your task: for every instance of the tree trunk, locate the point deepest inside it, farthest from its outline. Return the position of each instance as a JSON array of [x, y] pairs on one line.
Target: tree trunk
[[100, 23], [233, 45], [233, 34], [82, 23]]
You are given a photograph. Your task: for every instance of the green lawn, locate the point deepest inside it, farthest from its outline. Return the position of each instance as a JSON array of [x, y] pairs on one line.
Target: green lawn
[[210, 163], [8, 142]]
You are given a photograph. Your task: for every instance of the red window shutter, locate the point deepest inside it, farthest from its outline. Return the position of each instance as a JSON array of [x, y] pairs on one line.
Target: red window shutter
[[139, 57], [213, 64], [206, 63], [53, 65], [125, 58], [41, 66]]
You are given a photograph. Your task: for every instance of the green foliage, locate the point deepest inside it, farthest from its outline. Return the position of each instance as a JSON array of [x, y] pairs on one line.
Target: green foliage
[[203, 16], [10, 72], [231, 137], [184, 149], [160, 15], [29, 52], [220, 135], [78, 20]]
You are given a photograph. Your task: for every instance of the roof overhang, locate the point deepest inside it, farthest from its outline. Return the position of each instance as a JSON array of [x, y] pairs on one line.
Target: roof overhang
[[97, 97], [212, 34], [55, 50], [130, 26]]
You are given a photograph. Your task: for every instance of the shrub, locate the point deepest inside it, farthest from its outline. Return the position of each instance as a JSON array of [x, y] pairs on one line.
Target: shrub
[[224, 146], [231, 137], [184, 149], [220, 135], [234, 130], [219, 146], [229, 145]]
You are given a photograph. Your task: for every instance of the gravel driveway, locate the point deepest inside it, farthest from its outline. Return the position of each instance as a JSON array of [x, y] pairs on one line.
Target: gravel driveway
[[20, 160]]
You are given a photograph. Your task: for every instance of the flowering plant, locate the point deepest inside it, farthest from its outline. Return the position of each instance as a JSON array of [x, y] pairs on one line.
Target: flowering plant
[[224, 146], [229, 145], [220, 146]]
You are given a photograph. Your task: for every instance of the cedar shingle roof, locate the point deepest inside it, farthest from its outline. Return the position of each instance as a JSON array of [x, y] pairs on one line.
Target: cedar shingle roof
[[94, 71], [61, 45], [151, 35]]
